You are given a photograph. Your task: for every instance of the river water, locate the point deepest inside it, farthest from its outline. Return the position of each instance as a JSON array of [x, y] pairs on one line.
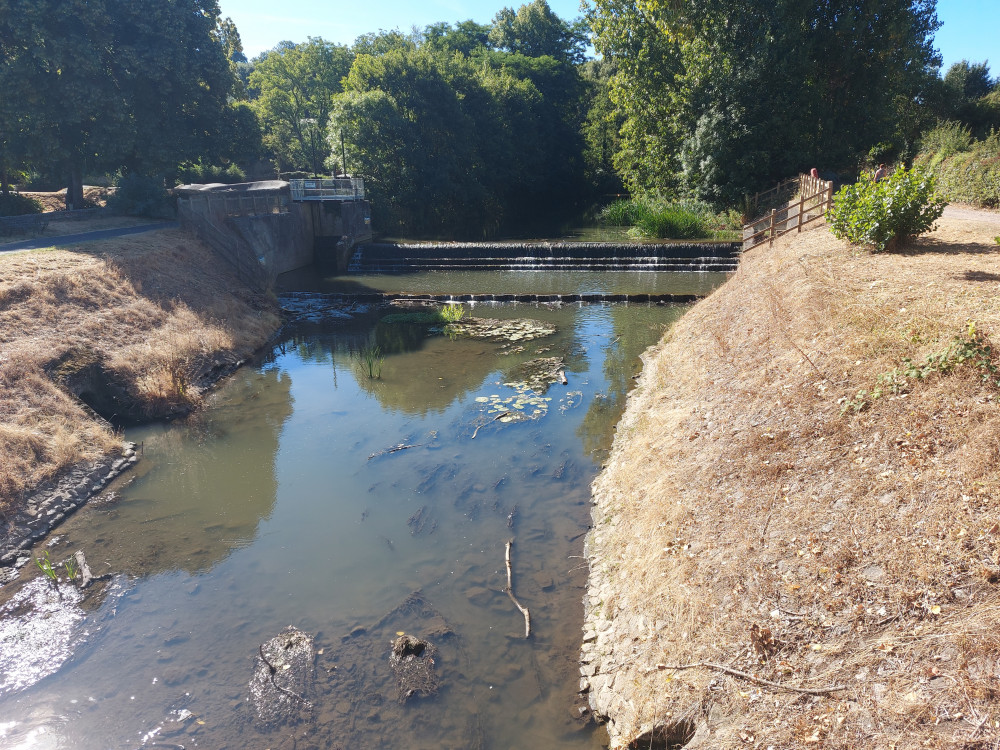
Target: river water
[[353, 508]]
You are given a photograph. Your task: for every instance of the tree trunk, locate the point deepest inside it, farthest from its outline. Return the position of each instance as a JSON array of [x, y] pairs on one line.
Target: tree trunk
[[74, 191]]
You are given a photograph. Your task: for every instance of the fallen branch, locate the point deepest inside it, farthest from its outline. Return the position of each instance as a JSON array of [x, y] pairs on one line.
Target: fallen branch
[[510, 593], [751, 678], [498, 416], [393, 449]]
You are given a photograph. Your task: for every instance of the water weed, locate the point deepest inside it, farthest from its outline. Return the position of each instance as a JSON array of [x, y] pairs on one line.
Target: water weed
[[452, 313], [45, 565], [370, 358]]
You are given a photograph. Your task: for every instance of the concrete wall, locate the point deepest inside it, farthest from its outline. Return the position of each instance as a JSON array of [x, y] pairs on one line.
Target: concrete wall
[[292, 236]]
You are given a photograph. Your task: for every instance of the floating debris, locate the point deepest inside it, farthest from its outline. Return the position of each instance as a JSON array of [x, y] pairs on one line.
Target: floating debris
[[508, 331], [538, 374]]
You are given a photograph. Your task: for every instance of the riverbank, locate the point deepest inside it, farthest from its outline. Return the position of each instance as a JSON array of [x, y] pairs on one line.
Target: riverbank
[[796, 538], [128, 329]]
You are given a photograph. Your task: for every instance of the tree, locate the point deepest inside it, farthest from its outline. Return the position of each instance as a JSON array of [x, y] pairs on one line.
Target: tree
[[534, 31], [101, 85], [295, 85], [465, 37], [721, 98]]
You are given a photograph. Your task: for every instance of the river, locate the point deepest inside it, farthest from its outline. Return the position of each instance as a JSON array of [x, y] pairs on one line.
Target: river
[[352, 508]]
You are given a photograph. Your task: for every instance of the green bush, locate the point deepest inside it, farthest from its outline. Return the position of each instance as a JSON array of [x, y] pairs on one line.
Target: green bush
[[677, 220], [15, 204], [878, 214], [969, 176], [139, 195], [946, 139], [202, 173]]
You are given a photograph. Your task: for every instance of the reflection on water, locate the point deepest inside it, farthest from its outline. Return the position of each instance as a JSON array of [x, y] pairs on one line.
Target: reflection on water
[[354, 509]]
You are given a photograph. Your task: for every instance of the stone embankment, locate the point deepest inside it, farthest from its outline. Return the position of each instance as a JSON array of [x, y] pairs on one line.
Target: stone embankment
[[49, 506]]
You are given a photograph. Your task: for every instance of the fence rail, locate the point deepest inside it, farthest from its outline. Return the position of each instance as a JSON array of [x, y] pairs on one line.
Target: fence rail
[[815, 196], [337, 189]]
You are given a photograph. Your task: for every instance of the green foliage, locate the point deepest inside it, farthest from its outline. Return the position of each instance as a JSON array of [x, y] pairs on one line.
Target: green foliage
[[878, 214], [972, 349], [71, 570], [139, 195], [15, 204], [948, 138], [452, 313], [535, 31], [721, 99], [45, 565], [200, 172], [967, 170], [370, 359], [295, 84], [98, 85], [457, 147], [669, 220]]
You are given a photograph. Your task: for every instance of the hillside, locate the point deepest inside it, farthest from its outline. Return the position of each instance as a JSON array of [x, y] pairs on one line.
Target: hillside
[[761, 515], [136, 326]]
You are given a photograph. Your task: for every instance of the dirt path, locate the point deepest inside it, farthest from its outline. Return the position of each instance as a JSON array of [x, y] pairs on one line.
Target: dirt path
[[79, 237]]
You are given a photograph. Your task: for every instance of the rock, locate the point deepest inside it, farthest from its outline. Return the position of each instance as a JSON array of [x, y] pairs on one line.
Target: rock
[[412, 662], [283, 676]]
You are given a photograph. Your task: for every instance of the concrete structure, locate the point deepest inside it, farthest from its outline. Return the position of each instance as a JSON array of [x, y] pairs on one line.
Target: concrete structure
[[263, 231]]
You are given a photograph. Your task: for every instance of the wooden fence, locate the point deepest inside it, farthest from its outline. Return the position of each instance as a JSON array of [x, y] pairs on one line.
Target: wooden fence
[[812, 199]]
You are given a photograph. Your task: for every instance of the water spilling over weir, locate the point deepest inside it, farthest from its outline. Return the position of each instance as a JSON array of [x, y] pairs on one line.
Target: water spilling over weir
[[545, 256]]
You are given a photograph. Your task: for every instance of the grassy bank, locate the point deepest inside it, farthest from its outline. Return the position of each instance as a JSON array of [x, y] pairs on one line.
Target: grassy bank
[[138, 322], [804, 490]]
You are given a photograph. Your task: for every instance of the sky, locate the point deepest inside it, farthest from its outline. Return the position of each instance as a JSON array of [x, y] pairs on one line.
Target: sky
[[970, 28]]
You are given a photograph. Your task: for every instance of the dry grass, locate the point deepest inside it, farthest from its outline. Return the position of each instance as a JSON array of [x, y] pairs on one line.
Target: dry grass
[[739, 498], [56, 201], [153, 313]]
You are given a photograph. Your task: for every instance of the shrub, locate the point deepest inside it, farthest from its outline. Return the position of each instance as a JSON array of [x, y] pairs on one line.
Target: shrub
[[970, 176], [15, 204], [677, 220], [200, 172], [947, 139], [878, 214], [139, 195]]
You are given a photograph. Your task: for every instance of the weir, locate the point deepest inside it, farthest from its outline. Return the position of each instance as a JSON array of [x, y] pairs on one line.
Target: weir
[[545, 256]]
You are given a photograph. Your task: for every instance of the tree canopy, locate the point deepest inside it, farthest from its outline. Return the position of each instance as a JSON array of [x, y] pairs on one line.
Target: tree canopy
[[104, 85], [721, 98]]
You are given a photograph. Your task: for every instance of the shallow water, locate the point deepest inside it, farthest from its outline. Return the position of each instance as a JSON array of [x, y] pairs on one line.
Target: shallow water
[[290, 501]]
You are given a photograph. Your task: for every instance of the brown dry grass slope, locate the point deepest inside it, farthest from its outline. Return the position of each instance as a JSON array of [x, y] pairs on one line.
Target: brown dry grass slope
[[745, 521], [149, 315]]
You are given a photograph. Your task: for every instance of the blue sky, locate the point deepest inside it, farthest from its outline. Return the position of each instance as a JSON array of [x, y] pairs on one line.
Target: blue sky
[[970, 30]]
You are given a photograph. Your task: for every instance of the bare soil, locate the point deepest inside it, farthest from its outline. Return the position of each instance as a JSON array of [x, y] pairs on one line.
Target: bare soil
[[134, 325], [764, 513]]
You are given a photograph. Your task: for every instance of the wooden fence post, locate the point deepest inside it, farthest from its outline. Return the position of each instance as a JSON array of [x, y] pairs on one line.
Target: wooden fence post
[[802, 203], [771, 226]]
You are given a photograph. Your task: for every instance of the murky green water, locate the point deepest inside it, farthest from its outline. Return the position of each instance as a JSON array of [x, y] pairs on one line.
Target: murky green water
[[284, 503]]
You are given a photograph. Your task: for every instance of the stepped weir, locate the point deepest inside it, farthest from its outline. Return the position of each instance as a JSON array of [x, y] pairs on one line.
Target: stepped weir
[[688, 257]]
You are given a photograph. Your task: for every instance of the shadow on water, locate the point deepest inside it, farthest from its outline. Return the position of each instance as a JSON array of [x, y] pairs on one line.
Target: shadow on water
[[358, 510]]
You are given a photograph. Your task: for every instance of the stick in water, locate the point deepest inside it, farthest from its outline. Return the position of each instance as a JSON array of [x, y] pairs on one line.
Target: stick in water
[[510, 593]]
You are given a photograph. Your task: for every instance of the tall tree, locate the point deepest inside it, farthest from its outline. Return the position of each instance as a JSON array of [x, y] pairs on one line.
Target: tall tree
[[737, 94], [295, 84], [534, 30], [101, 85]]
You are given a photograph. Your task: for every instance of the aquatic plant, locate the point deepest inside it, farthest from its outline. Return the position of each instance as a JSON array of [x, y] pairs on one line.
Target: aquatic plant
[[371, 359], [452, 313], [45, 565], [71, 569]]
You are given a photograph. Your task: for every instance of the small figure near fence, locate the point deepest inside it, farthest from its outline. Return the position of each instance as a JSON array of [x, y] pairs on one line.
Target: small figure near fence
[[814, 173], [880, 173]]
